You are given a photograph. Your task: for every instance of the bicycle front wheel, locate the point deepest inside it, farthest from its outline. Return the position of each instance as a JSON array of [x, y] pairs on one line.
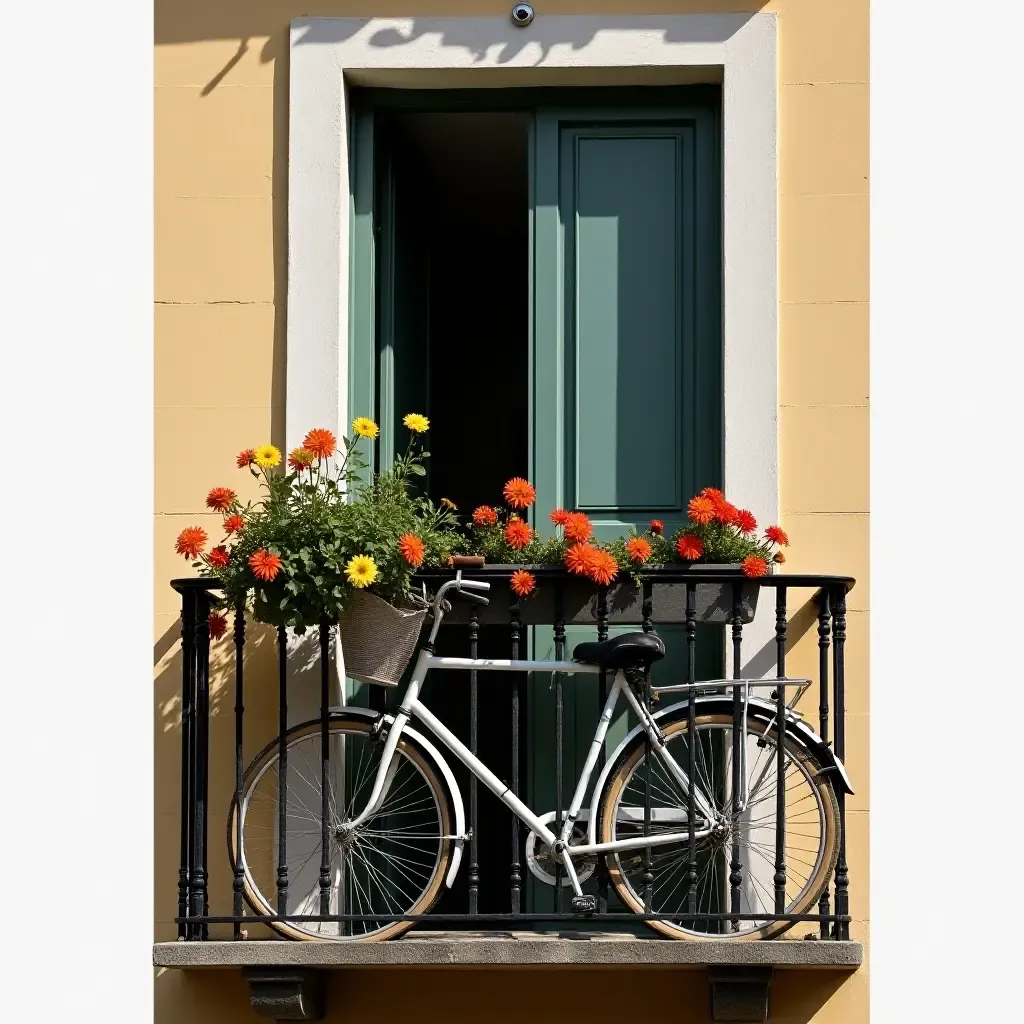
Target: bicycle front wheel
[[392, 865], [811, 829]]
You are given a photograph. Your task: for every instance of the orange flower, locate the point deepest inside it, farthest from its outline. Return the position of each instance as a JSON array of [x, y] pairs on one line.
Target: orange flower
[[522, 583], [265, 566], [657, 526], [638, 549], [745, 521], [519, 493], [191, 541], [412, 549], [245, 457], [701, 510], [577, 527], [713, 493], [320, 442], [779, 557], [518, 533], [754, 565], [234, 524], [218, 557], [579, 557], [690, 547], [484, 515], [603, 568], [726, 512], [777, 535], [220, 498], [300, 459], [217, 625], [559, 517]]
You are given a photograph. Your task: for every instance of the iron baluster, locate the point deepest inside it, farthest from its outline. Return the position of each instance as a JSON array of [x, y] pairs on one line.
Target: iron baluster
[[188, 682], [842, 928], [238, 908], [648, 876], [780, 750], [473, 875], [325, 768], [602, 696], [559, 635], [736, 873], [691, 736], [515, 875], [824, 615], [199, 894], [282, 769]]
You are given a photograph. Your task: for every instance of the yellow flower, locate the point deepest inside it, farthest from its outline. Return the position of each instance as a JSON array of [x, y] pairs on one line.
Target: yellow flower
[[416, 423], [267, 456], [448, 503], [361, 571], [365, 427]]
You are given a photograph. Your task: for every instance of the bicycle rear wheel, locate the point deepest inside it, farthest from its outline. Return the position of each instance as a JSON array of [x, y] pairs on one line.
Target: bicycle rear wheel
[[392, 865], [811, 830]]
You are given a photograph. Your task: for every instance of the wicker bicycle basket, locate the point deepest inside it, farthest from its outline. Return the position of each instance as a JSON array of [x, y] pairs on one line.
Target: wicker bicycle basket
[[377, 639]]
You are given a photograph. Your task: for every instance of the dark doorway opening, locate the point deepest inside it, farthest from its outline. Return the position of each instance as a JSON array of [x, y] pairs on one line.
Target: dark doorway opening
[[453, 315]]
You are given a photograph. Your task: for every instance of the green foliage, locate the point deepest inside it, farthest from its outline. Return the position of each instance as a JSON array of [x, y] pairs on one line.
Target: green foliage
[[317, 519]]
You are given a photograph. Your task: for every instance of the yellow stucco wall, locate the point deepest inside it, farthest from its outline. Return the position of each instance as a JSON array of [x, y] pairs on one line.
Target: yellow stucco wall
[[220, 186]]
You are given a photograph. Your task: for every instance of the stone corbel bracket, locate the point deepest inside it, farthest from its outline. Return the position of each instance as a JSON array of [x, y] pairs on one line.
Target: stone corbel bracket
[[286, 993]]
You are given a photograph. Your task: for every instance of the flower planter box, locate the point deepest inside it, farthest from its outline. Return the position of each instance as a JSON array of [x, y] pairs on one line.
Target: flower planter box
[[624, 600]]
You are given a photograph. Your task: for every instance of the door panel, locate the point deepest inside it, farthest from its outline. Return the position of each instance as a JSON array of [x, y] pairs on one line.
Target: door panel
[[626, 352]]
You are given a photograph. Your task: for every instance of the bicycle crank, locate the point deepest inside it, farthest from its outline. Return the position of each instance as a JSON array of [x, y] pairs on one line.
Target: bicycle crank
[[543, 862]]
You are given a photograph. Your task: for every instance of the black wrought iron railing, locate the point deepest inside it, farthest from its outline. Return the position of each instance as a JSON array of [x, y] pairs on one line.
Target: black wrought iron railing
[[705, 620]]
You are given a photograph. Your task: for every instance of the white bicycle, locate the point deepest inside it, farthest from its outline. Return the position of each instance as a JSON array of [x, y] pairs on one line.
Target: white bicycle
[[395, 825]]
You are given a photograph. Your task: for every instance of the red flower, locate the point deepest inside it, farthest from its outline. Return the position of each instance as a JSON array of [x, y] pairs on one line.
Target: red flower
[[234, 524], [218, 557], [657, 526], [220, 498], [603, 568], [265, 566], [300, 459], [245, 457], [518, 533], [577, 527], [754, 565], [484, 515], [559, 517], [217, 625], [714, 494], [191, 541], [745, 521], [779, 557], [777, 535], [320, 442], [412, 549], [579, 558], [638, 549], [690, 547], [701, 510], [523, 582], [519, 493]]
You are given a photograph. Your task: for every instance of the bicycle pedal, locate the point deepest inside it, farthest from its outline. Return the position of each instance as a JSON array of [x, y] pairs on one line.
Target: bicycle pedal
[[583, 906]]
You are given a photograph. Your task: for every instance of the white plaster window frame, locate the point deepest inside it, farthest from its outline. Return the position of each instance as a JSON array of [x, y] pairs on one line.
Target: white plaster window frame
[[740, 50]]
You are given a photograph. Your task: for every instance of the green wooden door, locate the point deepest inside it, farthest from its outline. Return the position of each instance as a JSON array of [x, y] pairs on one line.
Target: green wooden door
[[626, 354]]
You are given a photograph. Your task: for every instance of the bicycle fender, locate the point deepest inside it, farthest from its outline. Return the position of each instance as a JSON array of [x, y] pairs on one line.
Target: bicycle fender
[[761, 709], [442, 766]]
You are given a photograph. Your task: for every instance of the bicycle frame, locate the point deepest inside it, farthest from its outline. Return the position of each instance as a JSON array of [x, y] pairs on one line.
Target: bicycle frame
[[413, 707]]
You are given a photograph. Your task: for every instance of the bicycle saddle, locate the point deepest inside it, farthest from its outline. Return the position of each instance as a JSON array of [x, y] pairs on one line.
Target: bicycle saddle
[[630, 650]]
